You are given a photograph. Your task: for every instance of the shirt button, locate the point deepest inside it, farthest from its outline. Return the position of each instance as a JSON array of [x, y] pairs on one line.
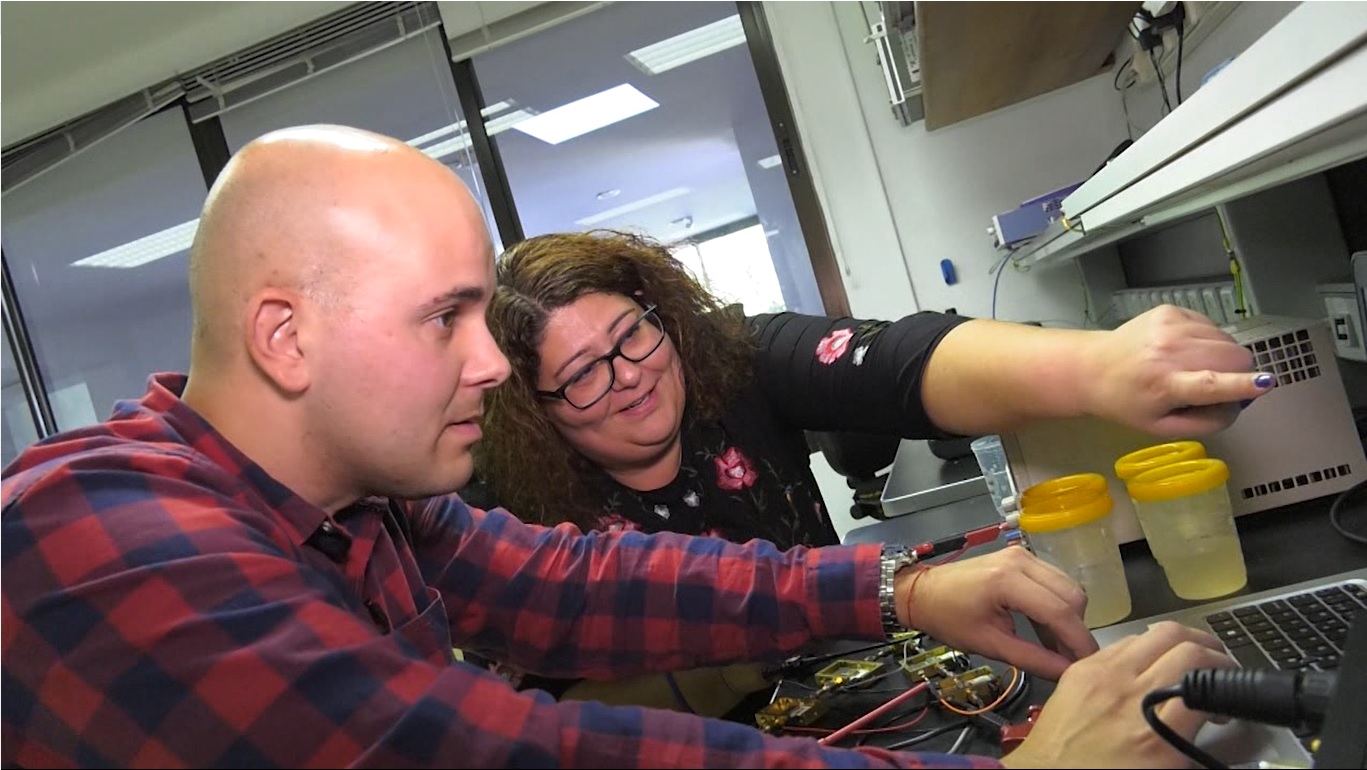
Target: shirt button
[[327, 528], [377, 615]]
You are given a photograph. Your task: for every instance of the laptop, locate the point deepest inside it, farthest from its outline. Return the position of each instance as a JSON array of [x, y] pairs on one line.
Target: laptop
[[1299, 625]]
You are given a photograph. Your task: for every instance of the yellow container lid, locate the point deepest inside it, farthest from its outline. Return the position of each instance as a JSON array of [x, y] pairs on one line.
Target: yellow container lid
[[1148, 458], [1064, 503], [1180, 479]]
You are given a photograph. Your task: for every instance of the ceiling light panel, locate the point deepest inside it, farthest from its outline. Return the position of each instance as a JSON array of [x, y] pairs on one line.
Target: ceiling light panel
[[148, 248], [689, 46], [591, 113]]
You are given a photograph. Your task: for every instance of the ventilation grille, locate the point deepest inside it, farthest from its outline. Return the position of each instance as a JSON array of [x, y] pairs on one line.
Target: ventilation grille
[[333, 40], [28, 159], [1291, 357], [1301, 480]]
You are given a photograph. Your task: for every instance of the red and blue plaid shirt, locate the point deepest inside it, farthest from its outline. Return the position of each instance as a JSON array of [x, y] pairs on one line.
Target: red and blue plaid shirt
[[167, 603]]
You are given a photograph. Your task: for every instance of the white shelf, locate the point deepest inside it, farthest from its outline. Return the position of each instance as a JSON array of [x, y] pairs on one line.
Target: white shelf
[[1059, 243]]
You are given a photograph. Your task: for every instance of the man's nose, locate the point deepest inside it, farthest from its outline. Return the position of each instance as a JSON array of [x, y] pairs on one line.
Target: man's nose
[[487, 366]]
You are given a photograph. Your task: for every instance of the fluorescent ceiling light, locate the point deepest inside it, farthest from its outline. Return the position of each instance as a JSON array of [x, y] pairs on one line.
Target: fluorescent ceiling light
[[769, 162], [461, 141], [689, 46], [148, 248], [591, 113], [627, 208], [458, 126]]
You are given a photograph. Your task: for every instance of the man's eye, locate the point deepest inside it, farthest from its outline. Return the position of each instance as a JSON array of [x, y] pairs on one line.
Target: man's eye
[[446, 320]]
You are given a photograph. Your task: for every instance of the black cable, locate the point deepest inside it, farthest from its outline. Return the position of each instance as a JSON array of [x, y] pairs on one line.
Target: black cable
[[1181, 36], [1150, 705], [1295, 699], [1121, 70], [1022, 686], [678, 693], [926, 735], [1336, 511], [1162, 84]]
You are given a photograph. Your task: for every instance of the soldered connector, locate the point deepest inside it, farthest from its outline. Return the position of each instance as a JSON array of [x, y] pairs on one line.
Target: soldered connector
[[935, 663], [789, 712], [976, 687], [846, 672]]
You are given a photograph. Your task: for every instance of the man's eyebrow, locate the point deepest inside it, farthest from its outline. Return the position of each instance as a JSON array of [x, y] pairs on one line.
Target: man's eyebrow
[[462, 295], [584, 350]]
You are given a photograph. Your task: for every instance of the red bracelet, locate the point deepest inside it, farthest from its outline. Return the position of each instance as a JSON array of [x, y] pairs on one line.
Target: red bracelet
[[921, 569]]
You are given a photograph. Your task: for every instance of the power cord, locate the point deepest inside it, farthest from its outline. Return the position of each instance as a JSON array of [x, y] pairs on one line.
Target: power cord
[[1295, 699], [1336, 513], [1150, 704]]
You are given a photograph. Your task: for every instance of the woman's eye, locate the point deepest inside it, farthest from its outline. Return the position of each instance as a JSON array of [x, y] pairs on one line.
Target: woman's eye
[[446, 320], [578, 378]]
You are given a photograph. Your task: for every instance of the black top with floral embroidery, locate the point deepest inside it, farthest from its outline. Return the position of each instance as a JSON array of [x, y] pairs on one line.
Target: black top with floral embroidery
[[749, 474]]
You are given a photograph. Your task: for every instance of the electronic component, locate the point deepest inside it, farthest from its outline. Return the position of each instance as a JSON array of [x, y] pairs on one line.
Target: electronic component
[[1013, 228], [976, 687], [790, 712], [843, 672], [935, 663]]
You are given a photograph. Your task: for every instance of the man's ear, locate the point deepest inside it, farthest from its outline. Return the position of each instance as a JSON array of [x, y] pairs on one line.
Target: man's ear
[[273, 339]]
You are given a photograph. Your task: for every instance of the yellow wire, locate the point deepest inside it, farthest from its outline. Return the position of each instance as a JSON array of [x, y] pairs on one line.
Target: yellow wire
[[1234, 269]]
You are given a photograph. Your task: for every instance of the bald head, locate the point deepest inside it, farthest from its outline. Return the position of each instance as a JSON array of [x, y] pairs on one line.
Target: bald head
[[309, 212], [340, 283]]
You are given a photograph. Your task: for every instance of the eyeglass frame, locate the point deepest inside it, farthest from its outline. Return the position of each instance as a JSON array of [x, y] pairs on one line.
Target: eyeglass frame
[[559, 393]]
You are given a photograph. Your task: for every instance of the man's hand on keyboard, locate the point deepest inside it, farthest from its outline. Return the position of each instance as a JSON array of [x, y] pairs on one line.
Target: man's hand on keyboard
[[1094, 716]]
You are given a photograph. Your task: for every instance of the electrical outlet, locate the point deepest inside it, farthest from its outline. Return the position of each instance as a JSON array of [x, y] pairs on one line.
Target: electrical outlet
[[1202, 19]]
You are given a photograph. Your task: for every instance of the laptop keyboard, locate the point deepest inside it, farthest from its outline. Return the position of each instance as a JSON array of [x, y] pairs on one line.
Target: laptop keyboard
[[1305, 630]]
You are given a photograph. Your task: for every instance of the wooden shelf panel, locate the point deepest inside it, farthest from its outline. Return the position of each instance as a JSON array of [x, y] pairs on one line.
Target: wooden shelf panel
[[977, 57]]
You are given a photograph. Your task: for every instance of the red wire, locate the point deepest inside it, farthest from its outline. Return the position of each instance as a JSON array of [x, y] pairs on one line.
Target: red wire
[[870, 730], [893, 703]]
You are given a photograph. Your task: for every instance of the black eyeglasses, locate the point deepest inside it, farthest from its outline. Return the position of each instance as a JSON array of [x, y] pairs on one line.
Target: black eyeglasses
[[591, 383]]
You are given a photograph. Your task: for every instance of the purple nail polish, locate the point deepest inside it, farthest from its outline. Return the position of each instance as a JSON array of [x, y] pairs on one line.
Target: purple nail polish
[[1263, 380]]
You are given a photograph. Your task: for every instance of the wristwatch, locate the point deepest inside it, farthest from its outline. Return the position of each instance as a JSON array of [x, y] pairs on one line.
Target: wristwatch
[[893, 559]]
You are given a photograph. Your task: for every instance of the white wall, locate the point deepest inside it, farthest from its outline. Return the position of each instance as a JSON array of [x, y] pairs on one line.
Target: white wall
[[938, 190]]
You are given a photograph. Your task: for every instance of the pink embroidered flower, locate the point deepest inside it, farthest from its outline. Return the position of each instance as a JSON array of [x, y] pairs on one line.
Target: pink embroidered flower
[[833, 346], [734, 471], [614, 522]]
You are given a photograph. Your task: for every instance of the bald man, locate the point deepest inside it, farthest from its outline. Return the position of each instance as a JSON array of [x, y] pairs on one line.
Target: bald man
[[260, 564]]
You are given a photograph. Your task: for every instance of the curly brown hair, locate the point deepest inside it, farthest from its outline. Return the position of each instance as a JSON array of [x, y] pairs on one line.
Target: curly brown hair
[[529, 467]]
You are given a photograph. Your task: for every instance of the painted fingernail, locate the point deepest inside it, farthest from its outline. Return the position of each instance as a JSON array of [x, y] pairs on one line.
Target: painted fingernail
[[1244, 404], [1263, 380]]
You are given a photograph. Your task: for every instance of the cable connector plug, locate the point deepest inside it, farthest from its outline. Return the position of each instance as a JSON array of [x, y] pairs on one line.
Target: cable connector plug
[[1296, 699]]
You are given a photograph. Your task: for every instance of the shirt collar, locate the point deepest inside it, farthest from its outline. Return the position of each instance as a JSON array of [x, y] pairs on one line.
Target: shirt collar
[[162, 401]]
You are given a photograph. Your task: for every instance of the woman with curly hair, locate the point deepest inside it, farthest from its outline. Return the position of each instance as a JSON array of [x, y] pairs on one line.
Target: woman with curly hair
[[644, 400], [638, 401]]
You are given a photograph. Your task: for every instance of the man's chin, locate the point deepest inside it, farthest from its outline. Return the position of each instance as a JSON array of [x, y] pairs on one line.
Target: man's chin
[[453, 478]]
